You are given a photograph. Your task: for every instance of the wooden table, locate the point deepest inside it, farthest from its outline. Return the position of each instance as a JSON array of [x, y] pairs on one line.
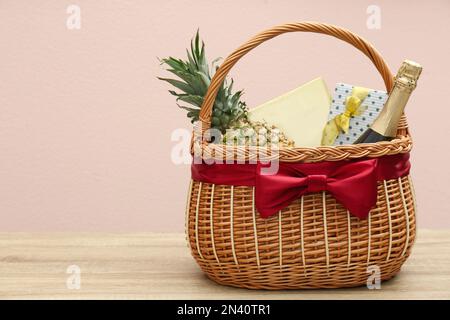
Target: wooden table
[[159, 266]]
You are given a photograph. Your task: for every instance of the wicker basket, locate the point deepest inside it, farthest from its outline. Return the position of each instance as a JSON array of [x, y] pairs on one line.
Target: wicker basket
[[315, 242]]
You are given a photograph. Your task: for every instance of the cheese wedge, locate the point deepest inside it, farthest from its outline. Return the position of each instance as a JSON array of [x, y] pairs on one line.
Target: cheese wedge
[[301, 113]]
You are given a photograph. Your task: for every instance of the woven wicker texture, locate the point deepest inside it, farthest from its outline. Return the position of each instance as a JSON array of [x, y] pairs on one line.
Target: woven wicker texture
[[315, 242]]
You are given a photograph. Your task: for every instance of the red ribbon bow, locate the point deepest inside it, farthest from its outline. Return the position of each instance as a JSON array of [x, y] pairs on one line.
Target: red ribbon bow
[[353, 184]]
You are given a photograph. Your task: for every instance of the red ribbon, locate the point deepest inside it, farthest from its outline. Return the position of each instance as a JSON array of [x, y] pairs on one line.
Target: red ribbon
[[352, 182]]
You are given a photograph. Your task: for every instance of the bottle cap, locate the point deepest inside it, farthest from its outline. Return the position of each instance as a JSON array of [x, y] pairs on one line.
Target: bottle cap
[[408, 73]]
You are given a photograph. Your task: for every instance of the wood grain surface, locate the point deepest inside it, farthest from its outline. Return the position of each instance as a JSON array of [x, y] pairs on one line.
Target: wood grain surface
[[159, 266]]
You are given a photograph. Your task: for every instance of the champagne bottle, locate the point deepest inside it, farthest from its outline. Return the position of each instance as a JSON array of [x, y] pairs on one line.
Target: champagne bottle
[[384, 128]]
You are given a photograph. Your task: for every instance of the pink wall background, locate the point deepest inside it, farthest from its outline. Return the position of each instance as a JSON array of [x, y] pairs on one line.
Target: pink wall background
[[85, 126]]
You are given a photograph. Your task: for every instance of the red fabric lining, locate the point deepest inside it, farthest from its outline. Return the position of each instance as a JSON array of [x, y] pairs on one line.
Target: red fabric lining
[[352, 182]]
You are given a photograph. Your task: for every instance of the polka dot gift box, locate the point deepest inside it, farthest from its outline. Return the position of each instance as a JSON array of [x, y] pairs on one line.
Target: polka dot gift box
[[368, 104]]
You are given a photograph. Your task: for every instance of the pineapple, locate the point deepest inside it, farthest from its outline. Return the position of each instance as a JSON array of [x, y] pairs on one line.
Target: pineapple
[[195, 77], [229, 112]]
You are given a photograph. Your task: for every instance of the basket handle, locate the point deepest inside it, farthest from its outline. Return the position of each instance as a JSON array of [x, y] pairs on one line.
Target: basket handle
[[328, 29]]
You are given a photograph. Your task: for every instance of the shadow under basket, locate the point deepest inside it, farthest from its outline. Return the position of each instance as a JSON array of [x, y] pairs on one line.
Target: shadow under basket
[[315, 242]]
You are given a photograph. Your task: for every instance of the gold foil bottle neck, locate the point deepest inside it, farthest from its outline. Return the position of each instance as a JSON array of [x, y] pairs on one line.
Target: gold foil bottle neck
[[405, 82], [408, 74]]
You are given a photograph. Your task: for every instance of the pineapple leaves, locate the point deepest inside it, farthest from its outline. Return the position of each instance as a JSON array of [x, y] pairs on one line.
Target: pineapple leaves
[[191, 99], [175, 64], [194, 77], [193, 113], [206, 80], [215, 62], [179, 84]]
